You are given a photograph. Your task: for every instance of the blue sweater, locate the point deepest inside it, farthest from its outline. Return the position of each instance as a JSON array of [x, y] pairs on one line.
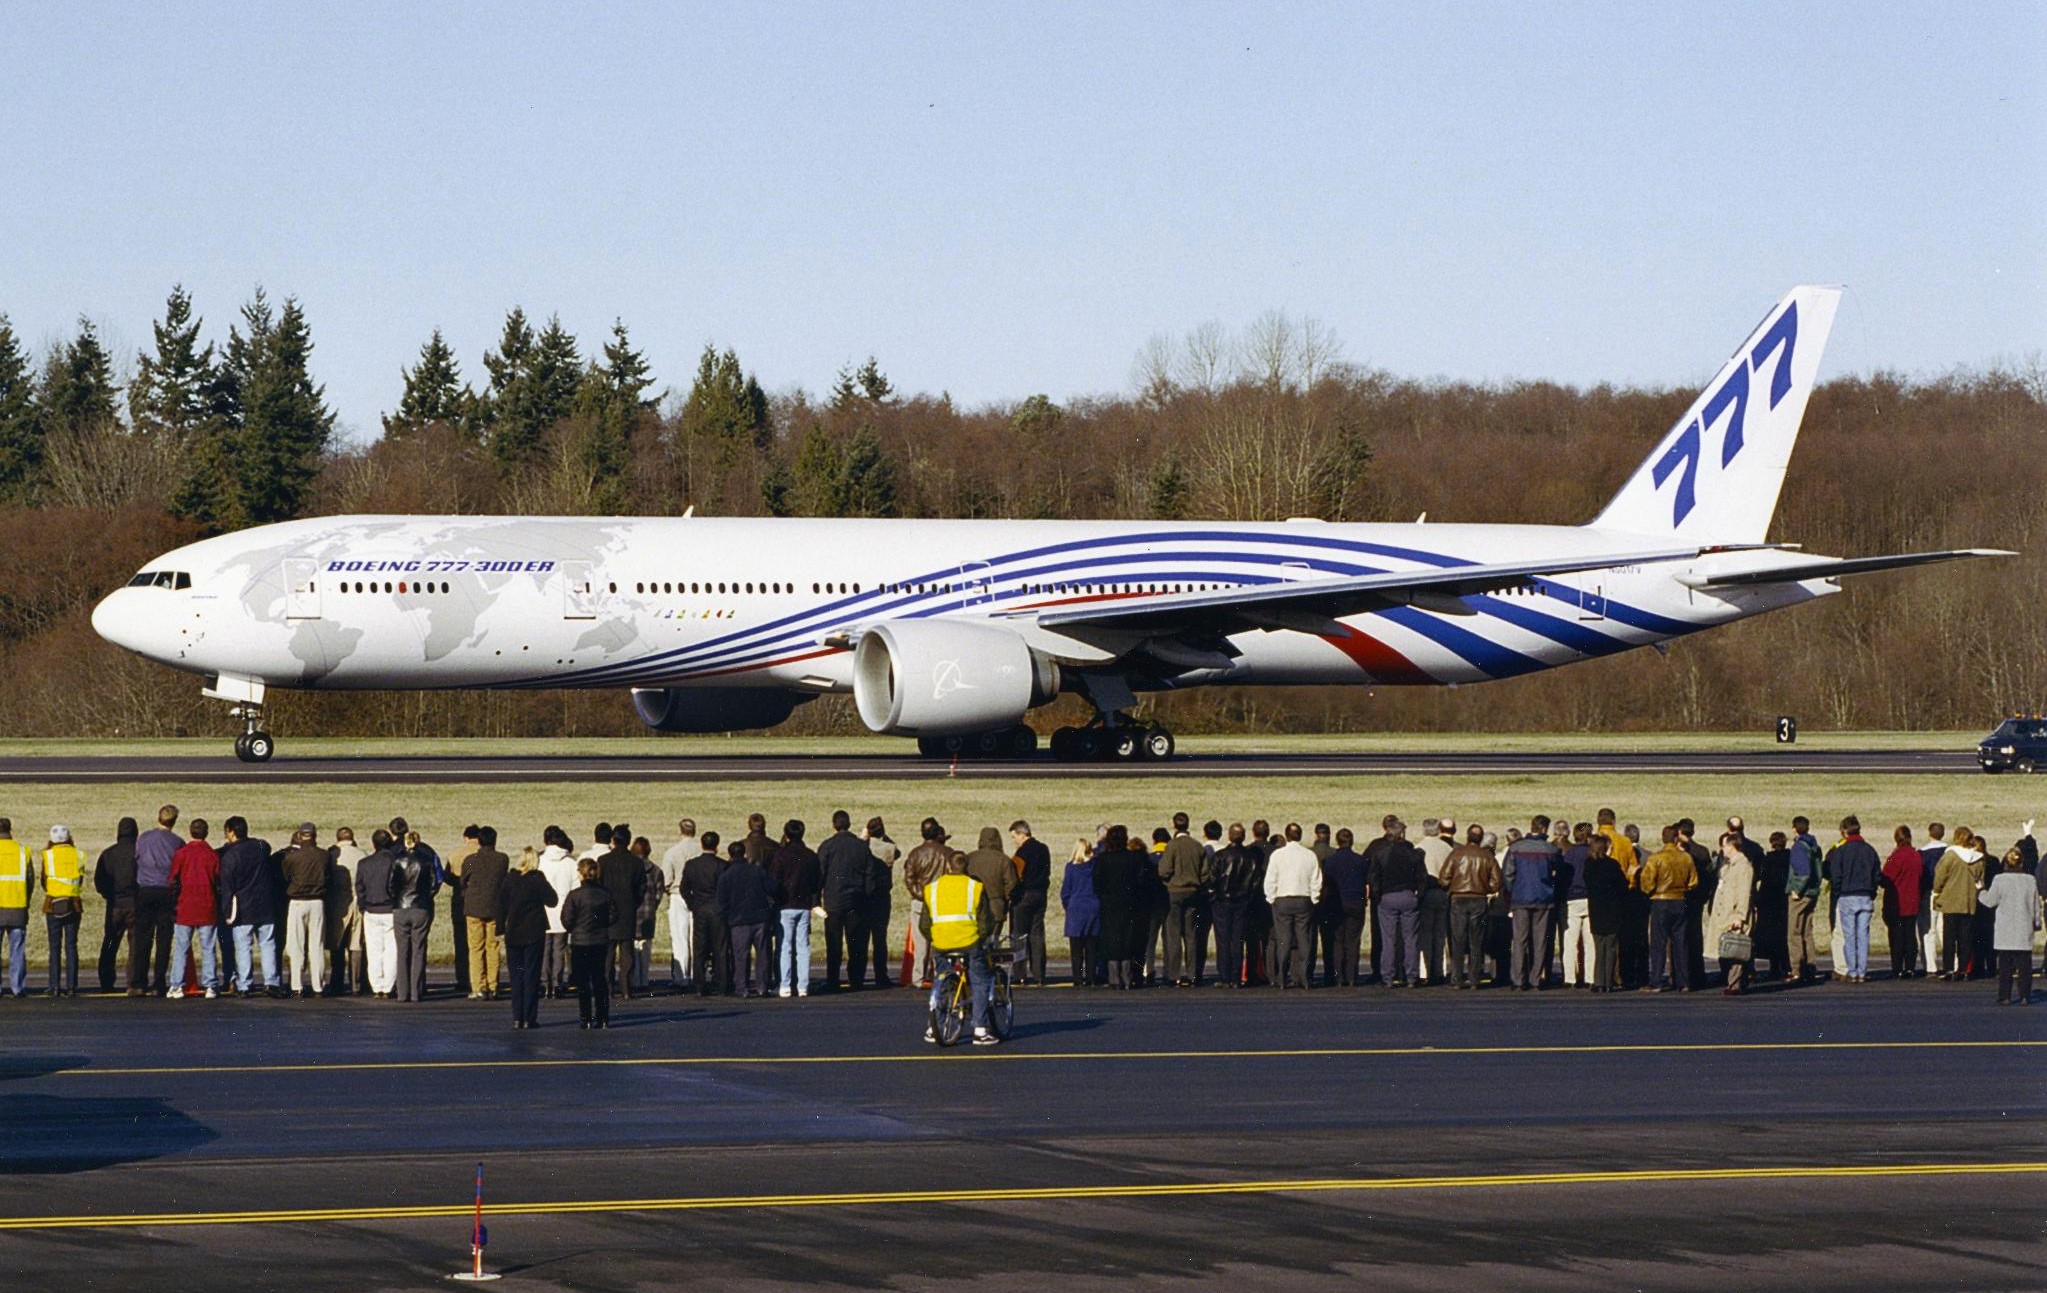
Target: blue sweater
[[1077, 894]]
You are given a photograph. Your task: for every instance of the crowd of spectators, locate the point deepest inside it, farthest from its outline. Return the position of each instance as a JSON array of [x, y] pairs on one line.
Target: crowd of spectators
[[1593, 905]]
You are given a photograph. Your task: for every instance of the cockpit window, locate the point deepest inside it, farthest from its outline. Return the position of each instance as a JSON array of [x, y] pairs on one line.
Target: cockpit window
[[174, 579], [183, 580]]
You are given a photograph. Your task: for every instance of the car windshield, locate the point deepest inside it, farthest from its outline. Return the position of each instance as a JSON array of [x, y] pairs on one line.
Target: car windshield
[[2022, 728]]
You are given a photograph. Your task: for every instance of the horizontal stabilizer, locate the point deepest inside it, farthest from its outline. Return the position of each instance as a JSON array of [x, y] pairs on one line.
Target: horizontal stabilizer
[[1831, 567]]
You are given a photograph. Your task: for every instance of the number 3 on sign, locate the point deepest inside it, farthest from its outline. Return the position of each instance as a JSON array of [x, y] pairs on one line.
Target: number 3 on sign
[[1682, 458]]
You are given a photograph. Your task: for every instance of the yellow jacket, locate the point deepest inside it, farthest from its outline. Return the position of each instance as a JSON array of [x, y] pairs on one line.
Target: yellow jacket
[[1668, 874]]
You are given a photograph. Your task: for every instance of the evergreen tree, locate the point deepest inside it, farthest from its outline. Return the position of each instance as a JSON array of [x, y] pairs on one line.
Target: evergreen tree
[[726, 405], [286, 425], [433, 391], [867, 385], [21, 431], [817, 477], [211, 492], [173, 390], [78, 385], [867, 478], [1169, 493], [613, 402], [534, 381]]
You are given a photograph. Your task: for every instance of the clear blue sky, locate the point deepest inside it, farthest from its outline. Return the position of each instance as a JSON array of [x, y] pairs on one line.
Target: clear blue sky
[[997, 200]]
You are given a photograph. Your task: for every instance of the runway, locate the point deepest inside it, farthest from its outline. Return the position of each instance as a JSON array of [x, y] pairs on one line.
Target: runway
[[185, 769], [1188, 1138]]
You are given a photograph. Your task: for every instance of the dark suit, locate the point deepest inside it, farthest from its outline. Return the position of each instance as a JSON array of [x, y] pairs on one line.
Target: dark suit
[[624, 877]]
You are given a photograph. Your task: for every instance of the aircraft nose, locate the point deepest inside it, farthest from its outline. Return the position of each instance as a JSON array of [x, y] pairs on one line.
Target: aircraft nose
[[120, 621]]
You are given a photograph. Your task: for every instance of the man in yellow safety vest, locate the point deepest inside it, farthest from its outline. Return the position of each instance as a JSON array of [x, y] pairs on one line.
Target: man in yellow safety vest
[[63, 908], [17, 883], [957, 919]]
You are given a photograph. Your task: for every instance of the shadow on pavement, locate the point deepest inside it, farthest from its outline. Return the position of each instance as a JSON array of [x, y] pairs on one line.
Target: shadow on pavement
[[49, 1134]]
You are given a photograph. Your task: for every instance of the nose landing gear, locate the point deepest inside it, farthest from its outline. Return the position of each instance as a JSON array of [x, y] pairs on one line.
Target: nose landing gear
[[254, 745]]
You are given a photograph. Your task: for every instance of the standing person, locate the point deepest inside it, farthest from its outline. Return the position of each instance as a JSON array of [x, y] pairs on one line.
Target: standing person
[[1293, 881], [249, 889], [349, 971], [113, 878], [1930, 855], [848, 869], [63, 908], [558, 866], [1258, 913], [437, 873], [1574, 904], [412, 917], [989, 863], [525, 901], [1236, 872], [1801, 895], [1435, 912], [1853, 874], [1706, 864], [1344, 889], [1471, 877], [713, 952], [1773, 876], [305, 867], [1902, 872], [1184, 868], [1956, 882], [882, 899], [376, 897], [1116, 890], [1733, 911], [481, 876], [1530, 872], [626, 881], [589, 915], [156, 904], [2015, 897], [681, 928], [1395, 879], [1667, 877], [799, 880], [195, 878], [748, 899], [1027, 906], [1606, 891], [1083, 913], [17, 886], [648, 918], [1152, 903], [924, 864]]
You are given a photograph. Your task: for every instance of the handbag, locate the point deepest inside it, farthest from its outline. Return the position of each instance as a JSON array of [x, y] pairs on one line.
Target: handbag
[[1736, 946], [61, 908]]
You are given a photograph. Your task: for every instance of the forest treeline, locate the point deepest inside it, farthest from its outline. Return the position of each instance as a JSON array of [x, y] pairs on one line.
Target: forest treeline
[[107, 460]]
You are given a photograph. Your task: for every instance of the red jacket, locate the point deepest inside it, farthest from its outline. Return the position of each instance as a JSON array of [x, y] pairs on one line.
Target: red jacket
[[1902, 872], [195, 874]]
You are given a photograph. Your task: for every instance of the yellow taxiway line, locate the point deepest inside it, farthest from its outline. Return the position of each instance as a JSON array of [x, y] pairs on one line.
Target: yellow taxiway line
[[888, 1198], [1014, 1056]]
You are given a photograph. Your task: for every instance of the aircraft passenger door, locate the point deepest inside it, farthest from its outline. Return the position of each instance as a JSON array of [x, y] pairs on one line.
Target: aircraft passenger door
[[301, 589], [579, 591], [976, 583], [1592, 602]]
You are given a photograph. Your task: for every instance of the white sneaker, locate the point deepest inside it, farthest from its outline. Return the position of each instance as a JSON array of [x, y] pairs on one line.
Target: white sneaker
[[803, 992], [930, 1035], [982, 1037], [211, 994], [783, 993]]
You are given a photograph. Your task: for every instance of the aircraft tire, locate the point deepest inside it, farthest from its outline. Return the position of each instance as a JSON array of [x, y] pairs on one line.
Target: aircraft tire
[[257, 747], [1124, 744], [1020, 742], [1158, 744]]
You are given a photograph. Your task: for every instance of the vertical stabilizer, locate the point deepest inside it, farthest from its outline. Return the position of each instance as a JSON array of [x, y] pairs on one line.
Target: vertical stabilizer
[[1715, 477]]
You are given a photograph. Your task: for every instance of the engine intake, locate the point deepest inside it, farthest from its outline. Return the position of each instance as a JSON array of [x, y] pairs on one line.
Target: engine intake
[[947, 678], [714, 709]]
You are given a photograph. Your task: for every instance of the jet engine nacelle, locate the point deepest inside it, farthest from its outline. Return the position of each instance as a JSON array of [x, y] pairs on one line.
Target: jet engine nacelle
[[947, 678], [714, 709]]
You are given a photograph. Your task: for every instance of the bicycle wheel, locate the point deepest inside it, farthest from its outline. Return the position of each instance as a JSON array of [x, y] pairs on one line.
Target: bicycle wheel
[[1001, 1006], [949, 1017]]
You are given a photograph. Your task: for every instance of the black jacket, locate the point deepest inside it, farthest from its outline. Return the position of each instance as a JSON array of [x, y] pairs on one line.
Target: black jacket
[[412, 882], [588, 914], [700, 882], [251, 886], [483, 874], [1236, 872], [747, 895], [521, 911], [848, 870], [624, 877], [1396, 868], [797, 876], [376, 882], [114, 877], [1036, 876]]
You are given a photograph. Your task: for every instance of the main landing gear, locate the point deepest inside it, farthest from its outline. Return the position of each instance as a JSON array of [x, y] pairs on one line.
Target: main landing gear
[[1018, 742], [1113, 738], [254, 745]]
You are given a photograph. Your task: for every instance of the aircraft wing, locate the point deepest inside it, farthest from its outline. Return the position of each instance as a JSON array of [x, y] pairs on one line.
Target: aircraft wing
[[1830, 567], [1314, 605]]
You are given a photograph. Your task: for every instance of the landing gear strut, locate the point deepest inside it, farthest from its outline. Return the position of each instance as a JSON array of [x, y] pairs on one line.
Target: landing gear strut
[[254, 745], [1114, 737]]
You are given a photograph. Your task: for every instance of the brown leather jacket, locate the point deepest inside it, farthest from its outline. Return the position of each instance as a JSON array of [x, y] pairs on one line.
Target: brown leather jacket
[[1470, 872], [924, 864]]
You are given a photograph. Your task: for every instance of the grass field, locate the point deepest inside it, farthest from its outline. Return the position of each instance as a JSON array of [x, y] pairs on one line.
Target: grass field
[[666, 747], [1058, 810]]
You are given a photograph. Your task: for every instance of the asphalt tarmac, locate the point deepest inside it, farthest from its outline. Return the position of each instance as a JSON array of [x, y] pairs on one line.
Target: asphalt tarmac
[[1886, 1136], [803, 767]]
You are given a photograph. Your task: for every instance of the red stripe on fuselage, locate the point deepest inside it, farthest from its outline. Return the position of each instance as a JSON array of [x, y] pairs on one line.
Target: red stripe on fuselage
[[1382, 662]]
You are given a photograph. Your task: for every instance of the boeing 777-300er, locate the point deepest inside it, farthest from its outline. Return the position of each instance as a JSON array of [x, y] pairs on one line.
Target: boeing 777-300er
[[953, 631]]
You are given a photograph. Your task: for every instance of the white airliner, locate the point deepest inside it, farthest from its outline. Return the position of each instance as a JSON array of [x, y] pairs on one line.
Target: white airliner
[[953, 631]]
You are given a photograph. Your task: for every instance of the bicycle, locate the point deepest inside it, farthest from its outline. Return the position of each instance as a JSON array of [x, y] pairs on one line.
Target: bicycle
[[954, 1013]]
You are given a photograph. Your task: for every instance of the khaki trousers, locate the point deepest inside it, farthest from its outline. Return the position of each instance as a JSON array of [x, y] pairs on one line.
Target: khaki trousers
[[484, 956]]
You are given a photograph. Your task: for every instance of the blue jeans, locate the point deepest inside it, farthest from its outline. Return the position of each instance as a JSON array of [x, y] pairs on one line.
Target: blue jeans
[[978, 976], [181, 946], [265, 937], [17, 959], [1853, 913], [794, 960]]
